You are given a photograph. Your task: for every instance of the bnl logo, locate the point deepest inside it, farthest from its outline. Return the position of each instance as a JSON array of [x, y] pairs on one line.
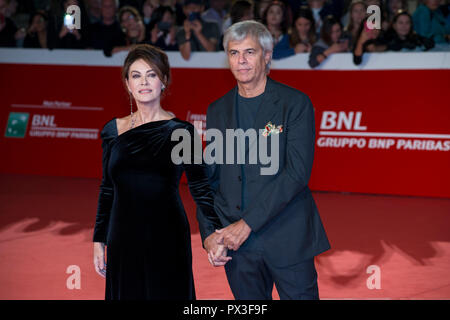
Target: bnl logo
[[72, 18], [17, 125]]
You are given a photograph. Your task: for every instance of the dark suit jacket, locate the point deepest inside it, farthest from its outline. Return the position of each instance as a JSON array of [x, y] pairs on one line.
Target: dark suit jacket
[[281, 210]]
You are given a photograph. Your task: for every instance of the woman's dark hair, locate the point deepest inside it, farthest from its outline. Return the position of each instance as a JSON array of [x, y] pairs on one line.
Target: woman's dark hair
[[239, 9], [153, 56], [350, 25], [327, 26], [158, 15], [305, 13], [284, 22]]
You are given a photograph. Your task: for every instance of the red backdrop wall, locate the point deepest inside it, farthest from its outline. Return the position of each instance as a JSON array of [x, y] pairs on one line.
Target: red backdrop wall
[[406, 108]]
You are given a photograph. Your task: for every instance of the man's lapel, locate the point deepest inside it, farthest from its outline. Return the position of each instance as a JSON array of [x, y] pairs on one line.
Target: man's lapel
[[230, 110], [268, 107]]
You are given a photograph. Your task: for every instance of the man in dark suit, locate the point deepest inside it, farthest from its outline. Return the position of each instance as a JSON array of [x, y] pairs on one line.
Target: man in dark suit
[[272, 227]]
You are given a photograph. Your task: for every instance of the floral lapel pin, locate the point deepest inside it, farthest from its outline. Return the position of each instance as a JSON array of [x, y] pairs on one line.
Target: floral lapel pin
[[271, 128]]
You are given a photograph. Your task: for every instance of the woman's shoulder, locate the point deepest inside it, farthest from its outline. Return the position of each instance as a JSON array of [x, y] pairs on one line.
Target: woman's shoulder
[[109, 129]]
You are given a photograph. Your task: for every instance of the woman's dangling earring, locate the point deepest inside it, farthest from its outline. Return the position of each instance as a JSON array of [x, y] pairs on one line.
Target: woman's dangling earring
[[133, 119]]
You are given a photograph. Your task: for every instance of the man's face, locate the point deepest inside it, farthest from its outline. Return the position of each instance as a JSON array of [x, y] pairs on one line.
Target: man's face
[[247, 60]]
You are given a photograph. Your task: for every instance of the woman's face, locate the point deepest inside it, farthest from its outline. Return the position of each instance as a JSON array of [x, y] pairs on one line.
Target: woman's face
[[275, 15], [143, 82], [402, 26], [129, 21], [358, 13], [336, 33], [302, 25]]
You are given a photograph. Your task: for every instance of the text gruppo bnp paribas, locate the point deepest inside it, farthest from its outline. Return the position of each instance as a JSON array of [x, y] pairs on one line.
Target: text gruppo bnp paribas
[[347, 130]]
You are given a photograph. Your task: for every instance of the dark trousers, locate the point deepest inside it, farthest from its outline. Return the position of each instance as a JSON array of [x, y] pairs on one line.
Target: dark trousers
[[251, 277]]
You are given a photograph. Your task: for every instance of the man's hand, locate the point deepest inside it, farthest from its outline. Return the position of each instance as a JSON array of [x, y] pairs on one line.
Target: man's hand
[[235, 234], [217, 252]]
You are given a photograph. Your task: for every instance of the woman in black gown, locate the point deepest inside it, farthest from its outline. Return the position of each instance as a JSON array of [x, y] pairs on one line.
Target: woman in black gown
[[140, 215]]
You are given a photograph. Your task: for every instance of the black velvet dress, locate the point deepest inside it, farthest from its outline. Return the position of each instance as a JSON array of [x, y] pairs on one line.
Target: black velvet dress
[[140, 215]]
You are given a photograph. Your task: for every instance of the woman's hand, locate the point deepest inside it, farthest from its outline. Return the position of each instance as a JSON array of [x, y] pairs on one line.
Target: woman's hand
[[99, 258]]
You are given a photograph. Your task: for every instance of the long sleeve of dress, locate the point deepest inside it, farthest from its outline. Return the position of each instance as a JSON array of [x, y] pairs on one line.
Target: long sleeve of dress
[[200, 188], [106, 192]]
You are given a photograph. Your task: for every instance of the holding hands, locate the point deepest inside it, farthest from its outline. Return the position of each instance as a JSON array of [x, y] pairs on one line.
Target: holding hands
[[229, 238]]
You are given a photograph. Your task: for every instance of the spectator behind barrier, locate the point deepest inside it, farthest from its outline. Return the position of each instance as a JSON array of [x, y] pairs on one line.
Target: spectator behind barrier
[[401, 35], [241, 10], [8, 28], [94, 10], [303, 34], [275, 19], [367, 40], [37, 34], [429, 22], [356, 13], [393, 7], [196, 34], [60, 36], [216, 13], [331, 41], [107, 33], [148, 7], [321, 9], [163, 29], [132, 26]]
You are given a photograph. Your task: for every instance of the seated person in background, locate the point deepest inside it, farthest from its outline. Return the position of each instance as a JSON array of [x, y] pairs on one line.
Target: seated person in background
[[330, 42], [37, 32], [107, 33], [196, 34], [367, 40], [275, 19], [216, 13], [356, 12], [8, 28], [163, 29], [131, 22], [402, 36], [241, 10], [429, 22], [303, 34]]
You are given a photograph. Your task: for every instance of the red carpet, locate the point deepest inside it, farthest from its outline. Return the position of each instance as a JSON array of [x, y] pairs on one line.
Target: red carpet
[[46, 226]]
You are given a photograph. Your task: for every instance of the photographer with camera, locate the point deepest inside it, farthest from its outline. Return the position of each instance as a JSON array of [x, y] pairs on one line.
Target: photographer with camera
[[196, 34]]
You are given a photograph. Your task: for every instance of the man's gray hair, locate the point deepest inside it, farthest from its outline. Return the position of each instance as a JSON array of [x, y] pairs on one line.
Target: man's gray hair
[[241, 30]]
